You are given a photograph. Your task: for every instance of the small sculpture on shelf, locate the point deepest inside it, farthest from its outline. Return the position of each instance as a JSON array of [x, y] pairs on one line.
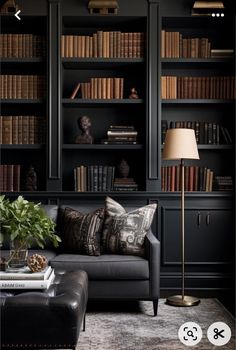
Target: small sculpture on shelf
[[133, 94], [84, 124], [31, 179], [123, 169], [123, 182]]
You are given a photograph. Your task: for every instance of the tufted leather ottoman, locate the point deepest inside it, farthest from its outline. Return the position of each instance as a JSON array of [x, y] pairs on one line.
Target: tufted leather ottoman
[[45, 319]]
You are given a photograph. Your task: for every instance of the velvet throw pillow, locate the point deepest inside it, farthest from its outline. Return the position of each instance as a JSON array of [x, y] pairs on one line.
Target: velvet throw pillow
[[124, 233], [80, 232]]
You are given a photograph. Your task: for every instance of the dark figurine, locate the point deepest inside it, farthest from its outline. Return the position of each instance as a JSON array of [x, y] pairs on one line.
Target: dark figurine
[[84, 125], [123, 169], [134, 94], [31, 180]]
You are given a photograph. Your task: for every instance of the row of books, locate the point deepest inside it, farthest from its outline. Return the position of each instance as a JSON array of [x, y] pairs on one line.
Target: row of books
[[22, 45], [100, 88], [196, 178], [94, 178], [121, 134], [103, 44], [219, 87], [173, 45], [22, 130], [10, 177], [206, 133], [22, 87]]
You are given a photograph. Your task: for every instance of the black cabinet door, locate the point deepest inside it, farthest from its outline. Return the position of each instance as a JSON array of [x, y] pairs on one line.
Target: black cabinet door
[[208, 234]]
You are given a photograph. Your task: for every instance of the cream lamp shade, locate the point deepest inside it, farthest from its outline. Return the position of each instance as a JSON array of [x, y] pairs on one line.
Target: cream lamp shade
[[180, 144]]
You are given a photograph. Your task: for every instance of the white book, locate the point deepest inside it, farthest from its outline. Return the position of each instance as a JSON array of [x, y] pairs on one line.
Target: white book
[[26, 274], [27, 284]]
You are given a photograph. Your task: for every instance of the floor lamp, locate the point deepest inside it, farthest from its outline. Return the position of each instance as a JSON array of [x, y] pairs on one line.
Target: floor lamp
[[181, 144]]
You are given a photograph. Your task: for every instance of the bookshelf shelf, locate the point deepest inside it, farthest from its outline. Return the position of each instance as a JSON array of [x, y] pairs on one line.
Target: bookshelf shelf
[[14, 60], [212, 147], [96, 63], [202, 61], [101, 147], [67, 102], [21, 101], [23, 147], [196, 101]]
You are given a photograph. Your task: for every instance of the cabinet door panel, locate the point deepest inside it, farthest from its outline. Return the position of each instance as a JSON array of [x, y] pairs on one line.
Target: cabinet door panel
[[208, 236]]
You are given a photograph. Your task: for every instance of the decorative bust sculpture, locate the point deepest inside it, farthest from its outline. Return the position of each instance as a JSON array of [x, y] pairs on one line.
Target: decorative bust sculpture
[[123, 169], [84, 124], [134, 94], [31, 180]]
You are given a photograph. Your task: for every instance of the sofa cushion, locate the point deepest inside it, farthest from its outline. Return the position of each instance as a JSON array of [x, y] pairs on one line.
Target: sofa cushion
[[79, 231], [104, 267], [124, 233]]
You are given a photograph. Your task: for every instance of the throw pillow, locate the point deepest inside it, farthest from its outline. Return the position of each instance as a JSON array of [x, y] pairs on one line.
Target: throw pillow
[[79, 231], [124, 233]]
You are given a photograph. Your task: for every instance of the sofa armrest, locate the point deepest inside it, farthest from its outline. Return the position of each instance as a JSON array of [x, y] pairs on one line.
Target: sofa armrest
[[152, 249]]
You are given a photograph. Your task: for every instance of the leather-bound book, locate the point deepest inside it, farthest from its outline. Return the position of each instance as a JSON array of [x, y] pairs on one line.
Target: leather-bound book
[[7, 130]]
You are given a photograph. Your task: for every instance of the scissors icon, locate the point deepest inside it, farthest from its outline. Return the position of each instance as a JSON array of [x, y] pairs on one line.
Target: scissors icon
[[218, 333]]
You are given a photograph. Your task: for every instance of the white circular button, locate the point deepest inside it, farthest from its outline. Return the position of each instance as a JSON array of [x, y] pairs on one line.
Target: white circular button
[[190, 333], [219, 333]]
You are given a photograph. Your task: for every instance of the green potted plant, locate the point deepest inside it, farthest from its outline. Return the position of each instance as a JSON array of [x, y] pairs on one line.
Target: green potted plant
[[23, 223]]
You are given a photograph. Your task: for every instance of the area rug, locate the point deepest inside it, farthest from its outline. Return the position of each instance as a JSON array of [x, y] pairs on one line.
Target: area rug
[[131, 326]]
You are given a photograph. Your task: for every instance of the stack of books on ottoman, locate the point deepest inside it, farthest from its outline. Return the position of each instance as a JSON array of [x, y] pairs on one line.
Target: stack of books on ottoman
[[26, 279], [121, 135]]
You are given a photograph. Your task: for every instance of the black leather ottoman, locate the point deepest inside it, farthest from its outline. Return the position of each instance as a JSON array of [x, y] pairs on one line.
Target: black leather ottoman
[[45, 319]]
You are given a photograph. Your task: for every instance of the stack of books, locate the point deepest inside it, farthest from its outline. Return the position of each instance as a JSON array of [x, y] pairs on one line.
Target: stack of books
[[121, 134], [26, 279], [10, 177], [125, 184], [222, 53]]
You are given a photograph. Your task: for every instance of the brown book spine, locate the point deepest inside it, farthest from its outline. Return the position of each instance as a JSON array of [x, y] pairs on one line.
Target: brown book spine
[[15, 130], [7, 130], [82, 46], [75, 91], [79, 46], [122, 53], [99, 89], [16, 178], [130, 45], [172, 186], [31, 129], [108, 92], [87, 46], [4, 45], [25, 130], [104, 88], [4, 177], [95, 45], [1, 179], [100, 43], [9, 45], [75, 46], [191, 178], [126, 45], [10, 177], [63, 46], [117, 88]]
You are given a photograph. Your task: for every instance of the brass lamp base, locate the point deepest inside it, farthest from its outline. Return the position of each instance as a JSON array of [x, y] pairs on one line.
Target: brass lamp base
[[177, 300]]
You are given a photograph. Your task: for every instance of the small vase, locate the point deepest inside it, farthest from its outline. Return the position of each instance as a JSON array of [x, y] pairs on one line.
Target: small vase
[[18, 255]]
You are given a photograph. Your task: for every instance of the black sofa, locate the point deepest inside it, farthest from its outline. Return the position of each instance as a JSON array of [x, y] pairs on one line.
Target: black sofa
[[121, 277]]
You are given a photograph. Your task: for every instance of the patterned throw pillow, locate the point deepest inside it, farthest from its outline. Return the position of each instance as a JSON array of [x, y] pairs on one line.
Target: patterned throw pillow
[[80, 231], [124, 233]]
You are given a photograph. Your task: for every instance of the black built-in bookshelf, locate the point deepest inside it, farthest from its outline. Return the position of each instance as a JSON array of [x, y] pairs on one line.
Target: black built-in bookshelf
[[209, 219]]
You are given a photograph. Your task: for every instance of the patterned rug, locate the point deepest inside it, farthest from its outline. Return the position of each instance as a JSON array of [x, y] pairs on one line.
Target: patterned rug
[[131, 326]]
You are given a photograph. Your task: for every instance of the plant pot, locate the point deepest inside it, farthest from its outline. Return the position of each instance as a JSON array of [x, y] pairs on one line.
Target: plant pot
[[18, 254]]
